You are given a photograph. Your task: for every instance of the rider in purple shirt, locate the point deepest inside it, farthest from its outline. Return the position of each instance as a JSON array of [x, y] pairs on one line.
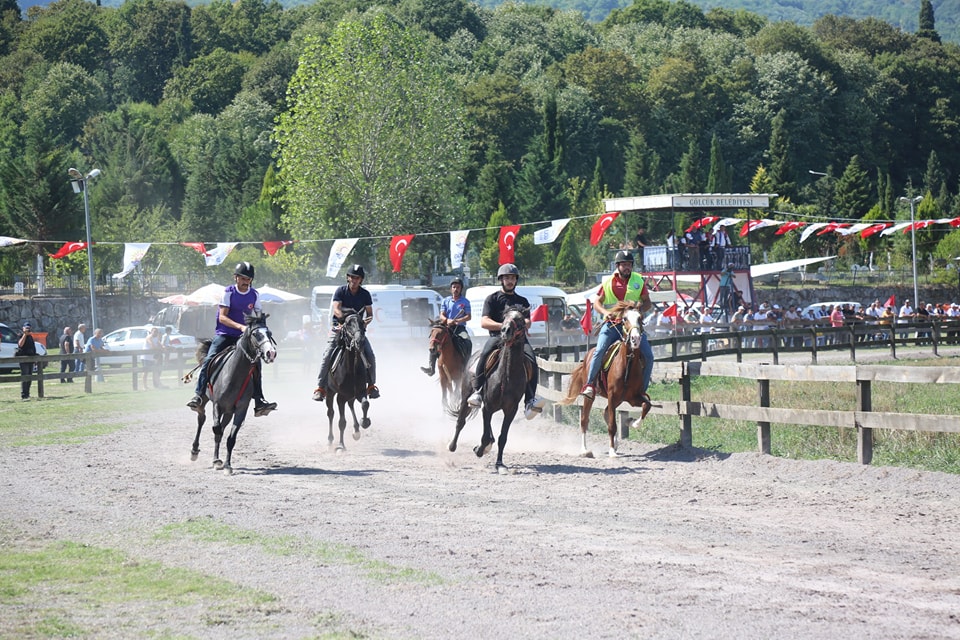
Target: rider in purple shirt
[[239, 299]]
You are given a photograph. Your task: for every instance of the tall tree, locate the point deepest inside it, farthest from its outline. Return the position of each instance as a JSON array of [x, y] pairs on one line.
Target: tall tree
[[718, 181], [781, 173], [374, 138], [927, 23], [853, 191], [691, 174]]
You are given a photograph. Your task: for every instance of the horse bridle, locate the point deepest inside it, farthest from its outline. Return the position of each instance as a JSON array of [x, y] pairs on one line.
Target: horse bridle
[[518, 330], [255, 332]]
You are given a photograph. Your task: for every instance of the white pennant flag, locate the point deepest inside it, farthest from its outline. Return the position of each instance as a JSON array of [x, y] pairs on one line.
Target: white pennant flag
[[133, 253], [549, 234], [338, 254], [810, 229], [219, 253], [458, 242], [7, 241]]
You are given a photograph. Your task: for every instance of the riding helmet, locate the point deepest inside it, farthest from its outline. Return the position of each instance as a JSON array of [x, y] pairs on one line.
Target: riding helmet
[[244, 269], [623, 256], [508, 270], [357, 270]]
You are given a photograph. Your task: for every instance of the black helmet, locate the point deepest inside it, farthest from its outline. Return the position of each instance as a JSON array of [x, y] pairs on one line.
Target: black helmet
[[244, 269], [623, 256], [457, 280], [508, 270], [357, 270]]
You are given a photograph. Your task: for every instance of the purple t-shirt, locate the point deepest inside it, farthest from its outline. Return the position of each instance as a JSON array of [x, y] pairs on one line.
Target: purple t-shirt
[[237, 304]]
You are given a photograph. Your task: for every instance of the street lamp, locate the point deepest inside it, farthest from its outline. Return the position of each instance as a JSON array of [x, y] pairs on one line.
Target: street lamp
[[79, 182], [816, 173], [913, 240]]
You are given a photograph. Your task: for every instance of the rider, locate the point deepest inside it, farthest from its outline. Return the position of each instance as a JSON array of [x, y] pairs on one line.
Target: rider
[[455, 312], [494, 309], [622, 285], [349, 297], [238, 299]]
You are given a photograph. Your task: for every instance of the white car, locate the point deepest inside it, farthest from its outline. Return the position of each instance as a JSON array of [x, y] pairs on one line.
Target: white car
[[8, 346], [133, 339]]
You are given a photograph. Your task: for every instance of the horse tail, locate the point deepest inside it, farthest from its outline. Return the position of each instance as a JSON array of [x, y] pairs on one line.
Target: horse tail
[[577, 379], [203, 347]]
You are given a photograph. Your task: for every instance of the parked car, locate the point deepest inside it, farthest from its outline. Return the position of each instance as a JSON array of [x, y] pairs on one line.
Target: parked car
[[8, 346], [856, 306], [133, 339]]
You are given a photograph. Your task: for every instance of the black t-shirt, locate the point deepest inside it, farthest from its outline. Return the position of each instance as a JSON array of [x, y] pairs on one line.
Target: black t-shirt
[[29, 348], [355, 301], [495, 306]]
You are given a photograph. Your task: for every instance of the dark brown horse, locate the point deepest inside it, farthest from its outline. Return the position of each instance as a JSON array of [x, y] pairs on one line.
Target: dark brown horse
[[348, 378], [621, 378], [507, 374], [451, 360]]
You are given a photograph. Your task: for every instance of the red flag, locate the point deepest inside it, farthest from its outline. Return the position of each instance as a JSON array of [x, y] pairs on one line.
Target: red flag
[[600, 226], [67, 249], [873, 229], [891, 302], [788, 226], [702, 222], [671, 311], [586, 322], [749, 225], [508, 242], [540, 314], [272, 246], [398, 247], [196, 246]]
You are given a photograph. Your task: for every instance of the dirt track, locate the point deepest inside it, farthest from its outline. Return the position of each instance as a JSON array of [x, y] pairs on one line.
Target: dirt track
[[657, 543]]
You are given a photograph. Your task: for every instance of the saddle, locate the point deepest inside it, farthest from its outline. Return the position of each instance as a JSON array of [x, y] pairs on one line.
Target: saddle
[[216, 364], [494, 360]]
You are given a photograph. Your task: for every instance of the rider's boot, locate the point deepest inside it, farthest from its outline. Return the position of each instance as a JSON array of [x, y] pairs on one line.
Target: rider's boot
[[372, 391], [262, 407], [196, 403], [319, 394], [431, 368]]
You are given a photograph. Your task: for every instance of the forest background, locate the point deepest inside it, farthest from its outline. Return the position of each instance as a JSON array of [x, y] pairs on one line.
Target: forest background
[[253, 122]]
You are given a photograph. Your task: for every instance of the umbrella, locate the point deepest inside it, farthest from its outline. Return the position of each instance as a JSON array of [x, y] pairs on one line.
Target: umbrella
[[209, 294], [272, 294], [176, 299]]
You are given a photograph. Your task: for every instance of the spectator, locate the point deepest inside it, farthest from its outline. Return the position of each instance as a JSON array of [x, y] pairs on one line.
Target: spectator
[[66, 347], [95, 345], [80, 343], [569, 323], [26, 347], [640, 242], [153, 361]]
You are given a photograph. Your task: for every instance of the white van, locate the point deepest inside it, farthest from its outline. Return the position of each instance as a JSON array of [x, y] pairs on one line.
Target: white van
[[553, 297], [398, 311]]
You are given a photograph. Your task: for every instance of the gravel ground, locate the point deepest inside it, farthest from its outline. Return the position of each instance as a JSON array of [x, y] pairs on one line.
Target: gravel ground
[[655, 543]]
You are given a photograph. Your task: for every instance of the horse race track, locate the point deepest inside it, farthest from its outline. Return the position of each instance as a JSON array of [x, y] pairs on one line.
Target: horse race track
[[398, 538]]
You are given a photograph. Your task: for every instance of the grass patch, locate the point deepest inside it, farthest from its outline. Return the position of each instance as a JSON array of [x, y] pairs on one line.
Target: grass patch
[[917, 450], [212, 531], [68, 590]]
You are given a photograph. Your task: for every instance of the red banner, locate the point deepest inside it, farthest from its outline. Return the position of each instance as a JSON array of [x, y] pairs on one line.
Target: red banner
[[196, 246], [67, 249], [540, 314], [600, 226], [586, 322], [398, 247], [508, 242], [272, 246]]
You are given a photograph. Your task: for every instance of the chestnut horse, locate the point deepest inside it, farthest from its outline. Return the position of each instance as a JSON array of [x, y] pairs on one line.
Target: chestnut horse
[[621, 378], [507, 374], [450, 359]]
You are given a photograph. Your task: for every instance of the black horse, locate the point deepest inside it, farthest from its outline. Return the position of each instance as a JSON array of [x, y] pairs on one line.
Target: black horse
[[231, 378], [507, 375], [348, 377]]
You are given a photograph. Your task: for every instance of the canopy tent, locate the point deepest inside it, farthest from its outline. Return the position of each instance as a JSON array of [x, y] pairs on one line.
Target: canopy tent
[[272, 294], [211, 294]]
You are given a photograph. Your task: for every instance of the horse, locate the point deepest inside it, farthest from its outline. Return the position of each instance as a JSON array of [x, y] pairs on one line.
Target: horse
[[451, 361], [348, 376], [507, 375], [621, 379], [230, 387]]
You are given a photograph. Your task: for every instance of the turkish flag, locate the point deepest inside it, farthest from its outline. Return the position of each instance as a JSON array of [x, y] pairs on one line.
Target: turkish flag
[[398, 247], [873, 229], [788, 226], [67, 249], [702, 222], [891, 302], [272, 246], [586, 322], [540, 314], [196, 246], [671, 311], [600, 226], [508, 242]]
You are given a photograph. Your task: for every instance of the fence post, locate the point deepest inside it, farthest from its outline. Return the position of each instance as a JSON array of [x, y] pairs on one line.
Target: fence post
[[935, 335], [87, 372], [739, 340], [864, 434], [813, 345], [853, 348], [557, 385], [893, 338], [775, 344], [763, 428], [686, 430]]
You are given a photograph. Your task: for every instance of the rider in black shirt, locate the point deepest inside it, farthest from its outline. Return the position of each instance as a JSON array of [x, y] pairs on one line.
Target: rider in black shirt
[[494, 308]]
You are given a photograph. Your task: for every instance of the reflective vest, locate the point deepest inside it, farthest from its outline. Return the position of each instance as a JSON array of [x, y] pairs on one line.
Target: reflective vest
[[635, 288]]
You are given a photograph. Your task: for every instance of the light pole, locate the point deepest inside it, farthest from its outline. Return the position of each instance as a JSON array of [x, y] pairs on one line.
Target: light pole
[[79, 182], [913, 241]]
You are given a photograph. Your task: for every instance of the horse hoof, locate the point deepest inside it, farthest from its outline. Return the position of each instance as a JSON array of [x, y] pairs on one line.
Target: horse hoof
[[503, 470], [229, 470], [194, 455], [613, 454], [218, 465], [356, 435], [452, 447], [586, 454], [479, 451], [365, 423], [340, 450]]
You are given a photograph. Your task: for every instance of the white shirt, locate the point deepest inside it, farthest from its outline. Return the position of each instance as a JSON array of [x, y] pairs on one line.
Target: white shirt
[[79, 341]]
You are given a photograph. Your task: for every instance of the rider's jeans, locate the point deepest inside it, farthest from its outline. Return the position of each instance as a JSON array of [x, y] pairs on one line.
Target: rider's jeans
[[220, 342], [609, 334]]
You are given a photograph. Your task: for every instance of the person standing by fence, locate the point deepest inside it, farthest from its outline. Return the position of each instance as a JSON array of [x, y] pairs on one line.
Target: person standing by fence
[[66, 347], [95, 345], [80, 344], [26, 347]]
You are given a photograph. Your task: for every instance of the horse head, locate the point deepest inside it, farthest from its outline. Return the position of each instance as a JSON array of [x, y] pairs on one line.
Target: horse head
[[260, 338], [353, 330], [514, 326], [633, 325]]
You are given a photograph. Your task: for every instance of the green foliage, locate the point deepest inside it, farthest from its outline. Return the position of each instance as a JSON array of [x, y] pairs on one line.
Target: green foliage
[[853, 191], [569, 267], [490, 251], [210, 82]]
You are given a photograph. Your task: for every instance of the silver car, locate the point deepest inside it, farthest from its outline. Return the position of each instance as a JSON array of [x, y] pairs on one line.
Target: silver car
[[134, 339]]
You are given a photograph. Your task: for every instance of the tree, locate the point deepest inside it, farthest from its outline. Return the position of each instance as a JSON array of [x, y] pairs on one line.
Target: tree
[[569, 267], [209, 83], [490, 251], [374, 139], [68, 31], [57, 107], [718, 181], [781, 173], [691, 175], [853, 191], [926, 23]]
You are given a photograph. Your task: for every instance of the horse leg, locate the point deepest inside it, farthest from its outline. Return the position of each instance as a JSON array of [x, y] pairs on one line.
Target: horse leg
[[487, 439], [584, 424], [195, 451], [463, 411], [356, 423], [342, 423], [238, 418], [218, 425], [610, 417], [365, 406], [330, 413], [508, 416]]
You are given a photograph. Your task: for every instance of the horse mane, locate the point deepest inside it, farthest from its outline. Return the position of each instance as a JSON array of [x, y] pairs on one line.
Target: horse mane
[[622, 307]]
